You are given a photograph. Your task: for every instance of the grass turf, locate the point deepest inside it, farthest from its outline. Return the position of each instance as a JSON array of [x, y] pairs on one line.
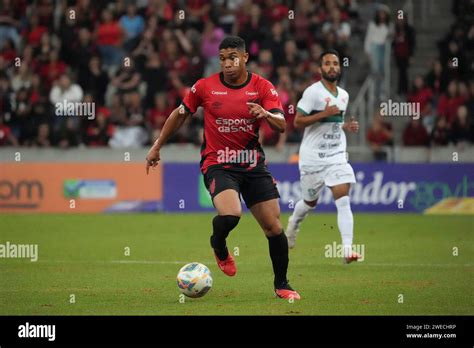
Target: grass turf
[[84, 256]]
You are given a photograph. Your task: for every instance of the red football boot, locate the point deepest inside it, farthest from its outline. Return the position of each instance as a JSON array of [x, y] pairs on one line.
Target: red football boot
[[227, 266]]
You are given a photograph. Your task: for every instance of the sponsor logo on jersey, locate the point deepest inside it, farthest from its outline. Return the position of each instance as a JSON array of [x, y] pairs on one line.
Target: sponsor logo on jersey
[[251, 93], [232, 125], [331, 136], [219, 92]]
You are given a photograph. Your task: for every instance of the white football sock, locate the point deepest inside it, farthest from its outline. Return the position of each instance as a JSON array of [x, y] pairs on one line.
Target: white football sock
[[300, 211], [345, 222]]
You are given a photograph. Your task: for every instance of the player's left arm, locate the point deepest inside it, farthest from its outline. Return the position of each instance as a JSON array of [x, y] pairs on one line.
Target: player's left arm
[[353, 125], [270, 109], [276, 120]]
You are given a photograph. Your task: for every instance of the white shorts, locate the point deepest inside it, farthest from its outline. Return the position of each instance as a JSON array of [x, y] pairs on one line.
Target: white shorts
[[313, 182]]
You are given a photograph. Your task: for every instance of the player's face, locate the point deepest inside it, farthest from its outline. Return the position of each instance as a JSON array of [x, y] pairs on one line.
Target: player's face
[[233, 62], [330, 68]]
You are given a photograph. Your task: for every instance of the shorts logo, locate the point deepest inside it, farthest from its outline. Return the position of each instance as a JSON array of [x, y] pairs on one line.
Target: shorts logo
[[212, 187]]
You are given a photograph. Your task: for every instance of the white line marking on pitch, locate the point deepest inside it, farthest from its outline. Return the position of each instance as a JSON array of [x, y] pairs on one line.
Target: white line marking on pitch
[[169, 262]]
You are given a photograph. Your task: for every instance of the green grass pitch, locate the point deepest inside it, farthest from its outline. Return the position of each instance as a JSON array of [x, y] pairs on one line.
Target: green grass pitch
[[84, 256]]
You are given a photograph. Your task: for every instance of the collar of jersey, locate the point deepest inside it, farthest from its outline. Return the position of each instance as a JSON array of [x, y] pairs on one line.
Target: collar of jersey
[[327, 89], [249, 77]]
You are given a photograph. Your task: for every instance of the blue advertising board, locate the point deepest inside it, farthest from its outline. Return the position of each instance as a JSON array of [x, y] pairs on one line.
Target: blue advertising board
[[380, 187]]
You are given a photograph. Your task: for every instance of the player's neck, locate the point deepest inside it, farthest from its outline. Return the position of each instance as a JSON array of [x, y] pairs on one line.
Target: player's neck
[[331, 86], [239, 81]]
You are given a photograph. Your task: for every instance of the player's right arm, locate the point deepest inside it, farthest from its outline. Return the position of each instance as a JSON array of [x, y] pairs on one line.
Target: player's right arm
[[176, 119], [303, 120], [172, 124]]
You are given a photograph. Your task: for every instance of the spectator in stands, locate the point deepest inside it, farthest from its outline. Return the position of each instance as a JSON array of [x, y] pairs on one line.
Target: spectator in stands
[[470, 102], [211, 38], [340, 27], [67, 135], [415, 134], [6, 135], [43, 138], [51, 70], [127, 79], [132, 25], [403, 49], [462, 131], [21, 120], [450, 101], [423, 95], [65, 90], [99, 131], [8, 51], [109, 36], [441, 134], [22, 78], [378, 34], [82, 50], [379, 135], [436, 78], [156, 78], [157, 116], [94, 80]]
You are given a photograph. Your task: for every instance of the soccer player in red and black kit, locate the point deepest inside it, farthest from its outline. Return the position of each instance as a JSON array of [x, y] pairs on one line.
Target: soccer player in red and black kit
[[235, 103]]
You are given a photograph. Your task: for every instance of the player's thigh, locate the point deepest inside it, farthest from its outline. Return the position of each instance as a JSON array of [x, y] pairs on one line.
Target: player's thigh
[[312, 183], [258, 187], [267, 214], [224, 189], [339, 178], [227, 202]]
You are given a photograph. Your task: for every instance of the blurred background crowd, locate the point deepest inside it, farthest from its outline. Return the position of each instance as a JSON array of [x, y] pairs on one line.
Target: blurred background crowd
[[135, 60]]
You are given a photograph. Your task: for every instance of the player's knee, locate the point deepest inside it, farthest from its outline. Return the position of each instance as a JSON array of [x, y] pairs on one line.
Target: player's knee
[[311, 204], [343, 202], [273, 228]]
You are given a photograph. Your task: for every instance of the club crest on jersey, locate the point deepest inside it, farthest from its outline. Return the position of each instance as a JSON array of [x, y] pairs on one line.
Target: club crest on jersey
[[217, 105], [336, 127]]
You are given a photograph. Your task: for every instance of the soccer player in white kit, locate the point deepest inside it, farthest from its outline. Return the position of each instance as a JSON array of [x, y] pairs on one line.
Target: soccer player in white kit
[[322, 157]]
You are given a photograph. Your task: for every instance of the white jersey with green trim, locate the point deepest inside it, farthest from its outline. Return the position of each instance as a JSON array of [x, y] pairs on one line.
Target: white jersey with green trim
[[323, 142]]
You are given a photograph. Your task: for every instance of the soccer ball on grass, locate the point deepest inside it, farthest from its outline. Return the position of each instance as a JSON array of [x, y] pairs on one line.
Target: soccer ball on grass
[[194, 280]]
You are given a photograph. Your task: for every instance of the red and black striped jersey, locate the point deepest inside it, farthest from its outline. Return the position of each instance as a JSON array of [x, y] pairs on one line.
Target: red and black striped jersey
[[230, 131]]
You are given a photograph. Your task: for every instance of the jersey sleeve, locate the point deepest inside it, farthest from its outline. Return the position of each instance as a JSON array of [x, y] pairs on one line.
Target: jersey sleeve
[[306, 103], [271, 101], [193, 98]]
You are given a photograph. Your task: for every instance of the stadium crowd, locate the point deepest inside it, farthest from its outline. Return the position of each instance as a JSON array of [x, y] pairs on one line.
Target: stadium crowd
[[445, 94], [135, 61]]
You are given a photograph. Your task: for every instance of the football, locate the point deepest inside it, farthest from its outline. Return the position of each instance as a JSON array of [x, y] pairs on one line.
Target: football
[[194, 280]]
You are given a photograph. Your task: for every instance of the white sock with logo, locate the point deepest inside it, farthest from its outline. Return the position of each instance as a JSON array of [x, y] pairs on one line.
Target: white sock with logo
[[300, 211], [345, 222]]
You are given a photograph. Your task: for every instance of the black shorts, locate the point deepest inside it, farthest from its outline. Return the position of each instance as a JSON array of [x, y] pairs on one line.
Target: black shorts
[[254, 186]]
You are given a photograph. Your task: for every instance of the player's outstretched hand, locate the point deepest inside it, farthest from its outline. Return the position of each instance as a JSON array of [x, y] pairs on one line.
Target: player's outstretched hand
[[257, 111], [152, 159], [331, 110], [352, 126]]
